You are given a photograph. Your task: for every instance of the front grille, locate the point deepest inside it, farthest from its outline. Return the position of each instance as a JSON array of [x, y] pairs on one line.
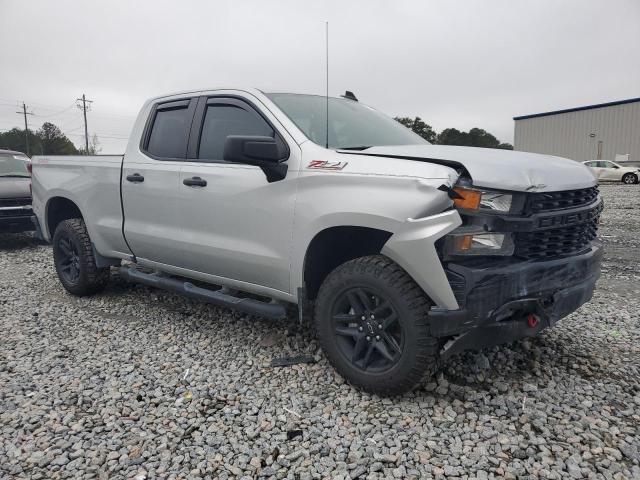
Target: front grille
[[546, 201], [556, 242], [15, 202]]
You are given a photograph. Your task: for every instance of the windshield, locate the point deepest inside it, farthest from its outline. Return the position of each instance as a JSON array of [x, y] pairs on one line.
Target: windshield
[[13, 165], [352, 125]]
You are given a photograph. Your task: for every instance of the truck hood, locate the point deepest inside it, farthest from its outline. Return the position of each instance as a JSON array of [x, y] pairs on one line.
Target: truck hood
[[499, 169], [12, 187]]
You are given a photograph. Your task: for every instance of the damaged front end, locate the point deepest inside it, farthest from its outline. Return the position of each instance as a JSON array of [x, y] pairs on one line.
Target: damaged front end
[[518, 263]]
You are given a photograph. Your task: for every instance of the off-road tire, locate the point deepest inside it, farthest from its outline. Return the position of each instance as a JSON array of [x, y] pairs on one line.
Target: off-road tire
[[629, 178], [91, 279], [419, 354]]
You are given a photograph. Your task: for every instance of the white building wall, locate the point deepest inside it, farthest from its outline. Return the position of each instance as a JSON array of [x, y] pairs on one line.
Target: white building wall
[[569, 134]]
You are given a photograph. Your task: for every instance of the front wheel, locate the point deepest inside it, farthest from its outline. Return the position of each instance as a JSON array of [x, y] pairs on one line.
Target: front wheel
[[74, 259], [629, 178], [372, 324]]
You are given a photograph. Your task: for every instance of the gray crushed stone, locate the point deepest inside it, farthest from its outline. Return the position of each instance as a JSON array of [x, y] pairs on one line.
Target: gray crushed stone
[[139, 383]]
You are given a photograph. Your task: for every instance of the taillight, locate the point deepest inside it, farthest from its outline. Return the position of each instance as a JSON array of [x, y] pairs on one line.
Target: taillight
[[30, 169]]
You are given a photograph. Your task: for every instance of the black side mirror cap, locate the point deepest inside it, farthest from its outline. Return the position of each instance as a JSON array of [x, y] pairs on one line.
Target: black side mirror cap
[[253, 150], [265, 152]]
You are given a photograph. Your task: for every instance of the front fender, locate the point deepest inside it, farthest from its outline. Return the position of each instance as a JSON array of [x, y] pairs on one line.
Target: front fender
[[412, 247]]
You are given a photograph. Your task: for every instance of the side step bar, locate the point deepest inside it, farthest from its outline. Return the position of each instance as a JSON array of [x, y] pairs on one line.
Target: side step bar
[[245, 305]]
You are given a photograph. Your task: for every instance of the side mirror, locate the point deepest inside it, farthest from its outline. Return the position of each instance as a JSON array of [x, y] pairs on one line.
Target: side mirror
[[616, 167], [253, 150], [264, 152]]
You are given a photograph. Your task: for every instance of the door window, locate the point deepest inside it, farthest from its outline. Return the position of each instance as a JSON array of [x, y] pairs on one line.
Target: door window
[[170, 130], [224, 118]]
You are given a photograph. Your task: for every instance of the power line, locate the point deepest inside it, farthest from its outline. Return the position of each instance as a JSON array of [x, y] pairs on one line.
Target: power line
[[26, 126], [114, 115], [99, 135], [57, 113]]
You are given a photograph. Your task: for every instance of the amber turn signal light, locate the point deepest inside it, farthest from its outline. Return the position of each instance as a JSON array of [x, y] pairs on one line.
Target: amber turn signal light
[[469, 199], [463, 243]]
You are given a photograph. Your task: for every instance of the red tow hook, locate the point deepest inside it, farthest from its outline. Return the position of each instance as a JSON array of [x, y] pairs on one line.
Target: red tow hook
[[533, 320]]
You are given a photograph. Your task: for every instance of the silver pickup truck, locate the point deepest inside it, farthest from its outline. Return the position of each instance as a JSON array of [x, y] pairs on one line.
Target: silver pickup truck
[[408, 252]]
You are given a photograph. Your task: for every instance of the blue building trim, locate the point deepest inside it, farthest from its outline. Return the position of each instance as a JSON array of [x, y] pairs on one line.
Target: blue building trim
[[578, 109]]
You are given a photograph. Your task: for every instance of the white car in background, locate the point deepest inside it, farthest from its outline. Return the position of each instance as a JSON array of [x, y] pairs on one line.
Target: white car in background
[[606, 170]]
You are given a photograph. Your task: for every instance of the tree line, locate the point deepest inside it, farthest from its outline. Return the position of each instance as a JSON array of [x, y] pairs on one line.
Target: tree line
[[47, 140], [476, 137]]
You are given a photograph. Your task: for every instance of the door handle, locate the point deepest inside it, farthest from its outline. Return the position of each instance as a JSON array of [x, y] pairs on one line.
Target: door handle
[[195, 182], [135, 178]]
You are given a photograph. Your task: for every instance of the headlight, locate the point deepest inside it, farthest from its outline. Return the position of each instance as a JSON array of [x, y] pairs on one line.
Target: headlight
[[473, 199], [480, 244]]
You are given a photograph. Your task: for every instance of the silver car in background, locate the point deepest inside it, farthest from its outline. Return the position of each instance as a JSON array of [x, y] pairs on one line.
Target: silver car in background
[[16, 214], [606, 170]]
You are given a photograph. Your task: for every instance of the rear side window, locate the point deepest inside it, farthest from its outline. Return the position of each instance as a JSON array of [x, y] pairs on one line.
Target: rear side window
[[223, 119], [170, 128]]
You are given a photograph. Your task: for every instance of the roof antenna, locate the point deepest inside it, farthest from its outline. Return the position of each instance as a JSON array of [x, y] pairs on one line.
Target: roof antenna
[[326, 36]]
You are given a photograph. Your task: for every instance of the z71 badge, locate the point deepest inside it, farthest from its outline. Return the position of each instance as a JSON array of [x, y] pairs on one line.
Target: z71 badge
[[324, 165]]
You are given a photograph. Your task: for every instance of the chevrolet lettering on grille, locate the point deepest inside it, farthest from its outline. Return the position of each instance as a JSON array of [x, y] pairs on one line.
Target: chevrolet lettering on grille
[[570, 218]]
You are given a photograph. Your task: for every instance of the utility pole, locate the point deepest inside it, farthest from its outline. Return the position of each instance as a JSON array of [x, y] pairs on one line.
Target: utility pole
[[84, 107], [26, 127]]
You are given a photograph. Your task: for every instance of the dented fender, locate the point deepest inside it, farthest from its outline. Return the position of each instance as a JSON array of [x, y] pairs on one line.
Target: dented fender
[[412, 247]]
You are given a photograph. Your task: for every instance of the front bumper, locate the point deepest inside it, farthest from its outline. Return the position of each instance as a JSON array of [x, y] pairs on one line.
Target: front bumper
[[496, 298]]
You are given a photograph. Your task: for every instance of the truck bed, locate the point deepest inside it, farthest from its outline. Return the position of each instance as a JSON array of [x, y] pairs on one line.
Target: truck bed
[[93, 183]]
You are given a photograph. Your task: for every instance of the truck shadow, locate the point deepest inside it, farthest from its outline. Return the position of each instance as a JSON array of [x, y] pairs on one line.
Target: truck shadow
[[18, 241]]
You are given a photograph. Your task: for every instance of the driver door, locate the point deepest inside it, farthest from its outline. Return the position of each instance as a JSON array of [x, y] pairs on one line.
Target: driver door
[[236, 224]]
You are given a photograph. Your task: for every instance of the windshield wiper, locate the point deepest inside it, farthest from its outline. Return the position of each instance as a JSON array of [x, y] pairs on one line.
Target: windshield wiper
[[14, 176], [364, 147]]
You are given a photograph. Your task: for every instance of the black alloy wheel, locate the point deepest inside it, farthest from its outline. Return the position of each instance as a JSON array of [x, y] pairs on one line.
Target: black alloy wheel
[[368, 332], [372, 321], [69, 259], [74, 259]]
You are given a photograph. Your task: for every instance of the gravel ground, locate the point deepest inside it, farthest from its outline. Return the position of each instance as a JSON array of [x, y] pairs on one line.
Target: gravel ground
[[137, 383]]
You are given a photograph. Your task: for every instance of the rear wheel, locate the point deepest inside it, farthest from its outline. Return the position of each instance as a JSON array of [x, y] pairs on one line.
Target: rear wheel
[[74, 259], [629, 178], [371, 319]]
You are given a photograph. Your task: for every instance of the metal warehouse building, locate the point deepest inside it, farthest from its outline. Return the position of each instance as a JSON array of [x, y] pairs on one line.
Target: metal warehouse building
[[591, 132]]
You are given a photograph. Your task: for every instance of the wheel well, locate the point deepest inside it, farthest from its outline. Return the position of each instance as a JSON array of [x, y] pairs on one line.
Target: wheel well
[[58, 210], [334, 246]]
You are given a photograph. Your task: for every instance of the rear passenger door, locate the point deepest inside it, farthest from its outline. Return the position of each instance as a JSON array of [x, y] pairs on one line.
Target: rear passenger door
[[150, 184], [237, 224]]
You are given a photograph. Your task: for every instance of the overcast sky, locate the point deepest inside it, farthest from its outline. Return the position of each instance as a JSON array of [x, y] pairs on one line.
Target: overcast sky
[[456, 64]]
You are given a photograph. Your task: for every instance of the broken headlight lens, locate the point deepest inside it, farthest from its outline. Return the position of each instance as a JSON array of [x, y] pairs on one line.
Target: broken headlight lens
[[496, 201], [474, 199], [480, 244]]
